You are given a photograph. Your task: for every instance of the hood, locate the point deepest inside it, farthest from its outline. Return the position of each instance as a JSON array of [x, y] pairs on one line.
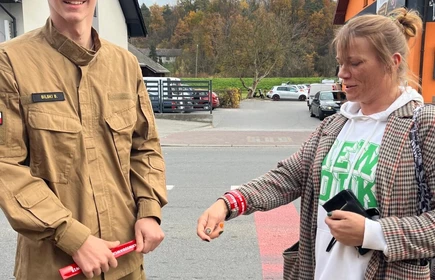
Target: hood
[[330, 103], [352, 110]]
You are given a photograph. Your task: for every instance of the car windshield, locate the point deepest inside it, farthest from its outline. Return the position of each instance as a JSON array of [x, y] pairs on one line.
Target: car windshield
[[336, 96]]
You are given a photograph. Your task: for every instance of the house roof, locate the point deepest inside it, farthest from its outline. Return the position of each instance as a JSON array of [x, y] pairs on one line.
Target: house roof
[[133, 18], [145, 61], [163, 52]]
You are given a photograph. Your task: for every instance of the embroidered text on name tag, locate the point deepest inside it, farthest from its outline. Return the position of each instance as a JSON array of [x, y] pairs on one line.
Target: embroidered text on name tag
[[48, 97]]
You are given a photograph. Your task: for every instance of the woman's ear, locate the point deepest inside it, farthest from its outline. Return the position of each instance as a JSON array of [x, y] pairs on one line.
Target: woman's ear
[[397, 59]]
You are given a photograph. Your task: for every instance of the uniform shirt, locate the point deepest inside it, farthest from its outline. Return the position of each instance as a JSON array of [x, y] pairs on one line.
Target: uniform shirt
[[79, 150]]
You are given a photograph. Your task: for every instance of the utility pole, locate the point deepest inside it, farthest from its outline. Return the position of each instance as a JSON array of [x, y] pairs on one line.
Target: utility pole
[[196, 63]]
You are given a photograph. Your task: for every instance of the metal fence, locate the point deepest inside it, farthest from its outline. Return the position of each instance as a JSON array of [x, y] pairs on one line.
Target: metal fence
[[179, 96]]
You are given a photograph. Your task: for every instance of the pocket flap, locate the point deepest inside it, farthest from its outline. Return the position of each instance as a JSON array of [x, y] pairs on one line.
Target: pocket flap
[[54, 122], [29, 197], [122, 119], [157, 163]]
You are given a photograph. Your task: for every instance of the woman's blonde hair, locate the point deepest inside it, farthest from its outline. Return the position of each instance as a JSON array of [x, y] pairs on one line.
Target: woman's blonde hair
[[388, 34]]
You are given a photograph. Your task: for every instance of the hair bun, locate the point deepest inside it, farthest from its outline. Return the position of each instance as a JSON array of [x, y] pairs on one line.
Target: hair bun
[[409, 21]]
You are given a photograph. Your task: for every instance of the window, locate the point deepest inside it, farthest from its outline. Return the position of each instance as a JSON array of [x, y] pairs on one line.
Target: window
[[366, 2]]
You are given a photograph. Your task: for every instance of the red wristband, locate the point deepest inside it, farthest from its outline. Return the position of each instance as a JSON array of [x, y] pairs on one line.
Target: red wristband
[[232, 200], [241, 202]]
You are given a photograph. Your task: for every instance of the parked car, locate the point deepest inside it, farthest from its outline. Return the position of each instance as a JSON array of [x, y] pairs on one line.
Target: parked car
[[315, 88], [326, 103], [287, 92], [176, 96], [304, 88], [201, 100]]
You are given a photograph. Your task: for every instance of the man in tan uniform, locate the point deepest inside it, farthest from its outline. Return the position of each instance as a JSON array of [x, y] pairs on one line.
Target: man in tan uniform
[[80, 160]]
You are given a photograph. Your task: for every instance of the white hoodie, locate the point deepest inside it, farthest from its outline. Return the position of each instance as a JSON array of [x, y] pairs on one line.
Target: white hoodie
[[351, 164]]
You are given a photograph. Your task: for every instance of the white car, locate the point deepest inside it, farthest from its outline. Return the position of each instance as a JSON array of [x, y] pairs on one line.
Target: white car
[[292, 92], [304, 88]]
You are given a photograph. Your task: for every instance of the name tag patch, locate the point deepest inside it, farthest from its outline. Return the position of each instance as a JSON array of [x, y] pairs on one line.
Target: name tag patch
[[48, 97]]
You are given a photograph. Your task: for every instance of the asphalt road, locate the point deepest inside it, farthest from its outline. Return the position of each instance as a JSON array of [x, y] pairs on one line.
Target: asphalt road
[[203, 161]]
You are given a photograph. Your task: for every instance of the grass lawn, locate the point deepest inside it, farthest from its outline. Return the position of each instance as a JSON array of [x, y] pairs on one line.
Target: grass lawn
[[222, 84]]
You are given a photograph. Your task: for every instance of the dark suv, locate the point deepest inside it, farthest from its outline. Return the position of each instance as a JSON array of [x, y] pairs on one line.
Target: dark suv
[[326, 103]]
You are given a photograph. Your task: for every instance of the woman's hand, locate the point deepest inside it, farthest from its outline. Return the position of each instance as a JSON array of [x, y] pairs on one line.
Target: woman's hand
[[211, 222], [347, 227]]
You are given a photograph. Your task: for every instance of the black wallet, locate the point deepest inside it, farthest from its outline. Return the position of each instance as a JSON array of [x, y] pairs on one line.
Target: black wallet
[[346, 200]]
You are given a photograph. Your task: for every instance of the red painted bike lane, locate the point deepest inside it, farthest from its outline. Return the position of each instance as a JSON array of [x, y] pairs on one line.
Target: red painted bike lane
[[276, 230]]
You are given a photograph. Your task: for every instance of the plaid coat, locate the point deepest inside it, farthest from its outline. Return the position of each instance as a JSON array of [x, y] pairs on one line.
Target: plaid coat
[[409, 237]]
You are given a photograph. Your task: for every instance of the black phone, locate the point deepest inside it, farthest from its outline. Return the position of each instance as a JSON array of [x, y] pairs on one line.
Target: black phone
[[347, 201]]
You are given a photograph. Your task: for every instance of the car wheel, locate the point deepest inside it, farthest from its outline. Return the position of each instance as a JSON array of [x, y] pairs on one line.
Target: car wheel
[[311, 112], [302, 98], [275, 97], [321, 115]]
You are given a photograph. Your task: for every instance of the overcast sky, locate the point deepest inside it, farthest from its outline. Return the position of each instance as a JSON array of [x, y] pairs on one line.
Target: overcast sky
[[149, 3]]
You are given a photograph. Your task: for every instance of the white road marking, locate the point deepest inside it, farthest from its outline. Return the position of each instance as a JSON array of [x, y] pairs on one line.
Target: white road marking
[[169, 187]]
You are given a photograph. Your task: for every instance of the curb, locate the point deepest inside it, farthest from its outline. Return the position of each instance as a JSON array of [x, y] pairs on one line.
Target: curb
[[228, 145], [205, 117]]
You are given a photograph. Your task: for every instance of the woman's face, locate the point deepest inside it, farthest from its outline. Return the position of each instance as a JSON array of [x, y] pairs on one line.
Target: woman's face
[[365, 77]]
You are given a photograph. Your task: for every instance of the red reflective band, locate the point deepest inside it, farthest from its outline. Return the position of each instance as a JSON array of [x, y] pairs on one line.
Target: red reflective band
[[232, 200], [73, 269], [240, 201], [1, 118]]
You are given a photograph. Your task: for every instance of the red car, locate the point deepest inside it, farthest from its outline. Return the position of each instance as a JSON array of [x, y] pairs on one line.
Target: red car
[[203, 101]]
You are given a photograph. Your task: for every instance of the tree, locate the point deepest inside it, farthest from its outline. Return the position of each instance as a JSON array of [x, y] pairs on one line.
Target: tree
[[245, 38], [255, 46], [146, 14], [153, 53]]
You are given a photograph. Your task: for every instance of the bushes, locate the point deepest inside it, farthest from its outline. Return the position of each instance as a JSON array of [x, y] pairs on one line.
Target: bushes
[[229, 98]]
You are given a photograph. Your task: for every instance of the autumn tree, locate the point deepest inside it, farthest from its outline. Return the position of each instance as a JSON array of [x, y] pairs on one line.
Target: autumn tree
[[245, 38], [153, 53], [255, 46]]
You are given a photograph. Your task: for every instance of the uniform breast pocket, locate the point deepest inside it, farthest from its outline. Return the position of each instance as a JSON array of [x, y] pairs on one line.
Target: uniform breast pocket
[[122, 125], [53, 141]]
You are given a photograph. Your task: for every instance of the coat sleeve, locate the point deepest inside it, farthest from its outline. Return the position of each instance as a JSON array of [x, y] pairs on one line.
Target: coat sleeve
[[410, 236], [147, 174], [30, 206], [283, 184]]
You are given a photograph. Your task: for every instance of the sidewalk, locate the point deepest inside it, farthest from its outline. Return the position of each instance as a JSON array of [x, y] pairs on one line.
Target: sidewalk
[[255, 123], [187, 133], [167, 127]]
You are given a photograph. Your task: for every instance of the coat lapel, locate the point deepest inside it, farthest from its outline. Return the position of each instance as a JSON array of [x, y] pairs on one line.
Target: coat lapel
[[329, 134], [395, 139]]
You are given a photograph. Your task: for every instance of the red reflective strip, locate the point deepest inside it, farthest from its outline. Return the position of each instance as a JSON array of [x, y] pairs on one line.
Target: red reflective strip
[[232, 200], [240, 201], [73, 269]]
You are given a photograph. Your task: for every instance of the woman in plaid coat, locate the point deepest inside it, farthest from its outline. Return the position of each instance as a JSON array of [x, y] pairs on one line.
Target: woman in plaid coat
[[366, 148]]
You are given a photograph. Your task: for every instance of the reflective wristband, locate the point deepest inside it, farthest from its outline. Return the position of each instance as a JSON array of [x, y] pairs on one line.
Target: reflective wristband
[[241, 201], [232, 200]]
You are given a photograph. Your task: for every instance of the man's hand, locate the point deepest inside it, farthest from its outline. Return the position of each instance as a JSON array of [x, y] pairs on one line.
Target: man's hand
[[148, 234], [95, 257], [347, 227]]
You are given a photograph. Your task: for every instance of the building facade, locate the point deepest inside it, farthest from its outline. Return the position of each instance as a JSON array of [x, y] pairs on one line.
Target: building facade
[[115, 20]]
